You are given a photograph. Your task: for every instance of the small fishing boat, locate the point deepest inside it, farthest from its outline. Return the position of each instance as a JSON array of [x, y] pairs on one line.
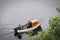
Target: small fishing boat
[[32, 25]]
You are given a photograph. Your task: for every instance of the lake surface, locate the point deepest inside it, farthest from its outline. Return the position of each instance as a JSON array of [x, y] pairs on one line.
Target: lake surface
[[7, 33]]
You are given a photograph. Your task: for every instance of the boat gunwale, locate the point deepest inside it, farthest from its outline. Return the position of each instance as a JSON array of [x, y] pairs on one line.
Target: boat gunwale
[[21, 31]]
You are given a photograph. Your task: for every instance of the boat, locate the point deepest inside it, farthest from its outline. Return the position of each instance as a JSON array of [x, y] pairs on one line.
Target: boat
[[32, 25]]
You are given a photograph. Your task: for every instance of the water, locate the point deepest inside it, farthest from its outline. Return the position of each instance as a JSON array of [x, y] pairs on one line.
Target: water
[[18, 12], [7, 33]]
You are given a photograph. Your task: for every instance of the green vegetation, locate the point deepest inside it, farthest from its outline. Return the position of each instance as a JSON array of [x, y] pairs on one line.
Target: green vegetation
[[52, 32], [58, 9], [29, 33]]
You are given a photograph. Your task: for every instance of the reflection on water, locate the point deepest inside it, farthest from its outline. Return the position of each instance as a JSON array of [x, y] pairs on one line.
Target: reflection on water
[[7, 33]]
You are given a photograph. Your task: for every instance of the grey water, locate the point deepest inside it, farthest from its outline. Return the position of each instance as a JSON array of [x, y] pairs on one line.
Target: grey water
[[15, 12], [7, 33]]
